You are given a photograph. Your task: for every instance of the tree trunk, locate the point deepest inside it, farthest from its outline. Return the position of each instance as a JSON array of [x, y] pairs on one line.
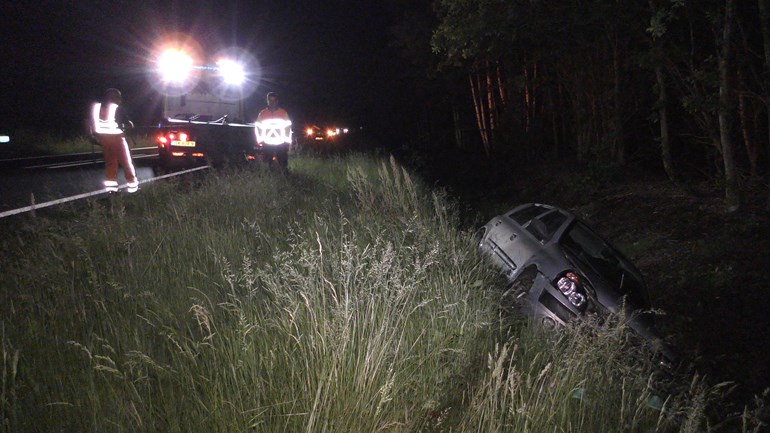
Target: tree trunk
[[748, 141], [479, 108], [456, 122], [763, 16], [662, 107], [491, 107], [665, 141], [732, 198], [530, 103], [617, 142], [500, 86]]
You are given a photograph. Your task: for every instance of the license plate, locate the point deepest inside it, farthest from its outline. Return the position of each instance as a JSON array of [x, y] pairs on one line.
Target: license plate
[[183, 143]]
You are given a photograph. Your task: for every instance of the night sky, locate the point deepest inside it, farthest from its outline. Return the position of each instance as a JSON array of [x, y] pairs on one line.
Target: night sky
[[330, 61]]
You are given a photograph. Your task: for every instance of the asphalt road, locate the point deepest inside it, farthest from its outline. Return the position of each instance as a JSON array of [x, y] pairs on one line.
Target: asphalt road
[[27, 181]]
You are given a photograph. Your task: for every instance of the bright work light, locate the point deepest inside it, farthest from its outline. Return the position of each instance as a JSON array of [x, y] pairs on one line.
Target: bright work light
[[174, 66], [232, 72]]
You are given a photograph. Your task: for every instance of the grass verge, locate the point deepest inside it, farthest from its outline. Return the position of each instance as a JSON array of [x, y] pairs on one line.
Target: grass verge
[[338, 298]]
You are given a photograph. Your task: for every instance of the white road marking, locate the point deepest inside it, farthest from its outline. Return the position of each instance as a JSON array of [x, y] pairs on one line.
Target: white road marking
[[91, 194]]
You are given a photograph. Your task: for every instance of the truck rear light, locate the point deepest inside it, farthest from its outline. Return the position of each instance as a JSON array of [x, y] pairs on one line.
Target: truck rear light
[[198, 155], [177, 153]]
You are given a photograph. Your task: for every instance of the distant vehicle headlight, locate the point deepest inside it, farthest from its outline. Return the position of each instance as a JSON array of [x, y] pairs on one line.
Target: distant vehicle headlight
[[5, 138]]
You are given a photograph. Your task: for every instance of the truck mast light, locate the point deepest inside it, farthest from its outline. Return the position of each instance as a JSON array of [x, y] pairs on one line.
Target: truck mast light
[[232, 72], [174, 66], [179, 66]]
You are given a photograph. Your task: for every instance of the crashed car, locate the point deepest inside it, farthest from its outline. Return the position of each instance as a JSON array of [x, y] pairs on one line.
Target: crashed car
[[559, 270]]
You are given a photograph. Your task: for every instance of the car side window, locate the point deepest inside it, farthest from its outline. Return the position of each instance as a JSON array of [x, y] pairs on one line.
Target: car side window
[[538, 230], [553, 221]]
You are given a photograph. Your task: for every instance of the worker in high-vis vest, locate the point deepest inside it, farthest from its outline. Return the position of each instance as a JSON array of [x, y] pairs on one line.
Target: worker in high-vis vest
[[108, 124], [273, 130]]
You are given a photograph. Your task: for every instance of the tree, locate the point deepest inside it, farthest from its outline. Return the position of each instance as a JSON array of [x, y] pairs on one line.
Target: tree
[[466, 35], [661, 16], [560, 77], [732, 196], [765, 30]]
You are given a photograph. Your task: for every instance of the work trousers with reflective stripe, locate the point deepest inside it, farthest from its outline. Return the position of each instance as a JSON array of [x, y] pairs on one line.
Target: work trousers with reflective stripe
[[115, 150]]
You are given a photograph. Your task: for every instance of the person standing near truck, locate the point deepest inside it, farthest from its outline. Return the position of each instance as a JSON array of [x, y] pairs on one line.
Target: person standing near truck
[[108, 125], [273, 129]]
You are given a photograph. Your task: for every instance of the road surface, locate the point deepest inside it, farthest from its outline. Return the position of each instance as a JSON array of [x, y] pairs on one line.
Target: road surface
[[27, 181]]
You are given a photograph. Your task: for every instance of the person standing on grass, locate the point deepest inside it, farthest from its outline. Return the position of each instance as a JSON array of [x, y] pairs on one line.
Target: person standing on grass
[[273, 128], [108, 126]]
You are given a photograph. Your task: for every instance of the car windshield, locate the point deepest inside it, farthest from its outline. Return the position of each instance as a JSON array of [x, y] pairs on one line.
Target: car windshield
[[522, 216], [604, 260]]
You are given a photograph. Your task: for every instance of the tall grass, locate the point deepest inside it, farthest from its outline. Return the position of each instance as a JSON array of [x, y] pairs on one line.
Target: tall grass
[[338, 298]]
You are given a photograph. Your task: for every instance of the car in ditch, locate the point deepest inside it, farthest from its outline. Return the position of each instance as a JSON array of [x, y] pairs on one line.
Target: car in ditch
[[558, 270]]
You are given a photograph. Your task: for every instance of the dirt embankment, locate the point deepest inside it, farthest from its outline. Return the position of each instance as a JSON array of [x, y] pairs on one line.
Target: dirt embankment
[[707, 271]]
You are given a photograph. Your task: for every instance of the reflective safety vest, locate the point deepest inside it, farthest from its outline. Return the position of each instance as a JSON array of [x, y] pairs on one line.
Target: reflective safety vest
[[273, 131], [107, 126]]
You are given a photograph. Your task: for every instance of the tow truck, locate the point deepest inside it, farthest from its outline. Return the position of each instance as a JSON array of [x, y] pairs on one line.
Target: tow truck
[[203, 113]]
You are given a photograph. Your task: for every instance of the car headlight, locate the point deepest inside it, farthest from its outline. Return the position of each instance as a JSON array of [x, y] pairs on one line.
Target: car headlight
[[570, 286]]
